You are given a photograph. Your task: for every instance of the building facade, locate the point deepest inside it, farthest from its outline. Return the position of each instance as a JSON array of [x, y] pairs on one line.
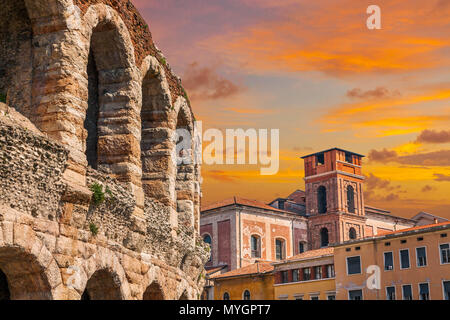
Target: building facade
[[410, 264]]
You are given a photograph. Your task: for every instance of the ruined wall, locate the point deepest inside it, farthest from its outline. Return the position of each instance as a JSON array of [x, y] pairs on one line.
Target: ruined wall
[[92, 174]]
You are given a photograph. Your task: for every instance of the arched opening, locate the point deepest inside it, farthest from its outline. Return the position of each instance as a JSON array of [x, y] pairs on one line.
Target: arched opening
[[22, 277], [226, 296], [185, 171], [4, 288], [322, 200], [184, 296], [103, 285], [247, 295], [16, 56], [256, 246], [109, 136], [153, 292], [280, 249], [351, 199], [352, 233], [207, 240], [156, 137], [324, 237]]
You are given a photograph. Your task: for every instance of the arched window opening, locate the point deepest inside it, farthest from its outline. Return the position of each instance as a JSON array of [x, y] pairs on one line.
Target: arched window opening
[[351, 199], [280, 249], [153, 292], [322, 200], [4, 288], [256, 246], [92, 113], [102, 286], [226, 296], [247, 295], [352, 233], [324, 237], [207, 239]]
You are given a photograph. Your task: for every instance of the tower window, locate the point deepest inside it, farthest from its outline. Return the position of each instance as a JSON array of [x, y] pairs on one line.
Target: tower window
[[324, 237], [348, 157], [322, 199], [351, 199], [352, 234], [320, 159]]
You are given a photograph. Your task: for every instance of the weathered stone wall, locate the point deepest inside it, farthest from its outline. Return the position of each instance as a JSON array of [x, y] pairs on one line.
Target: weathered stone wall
[[91, 180]]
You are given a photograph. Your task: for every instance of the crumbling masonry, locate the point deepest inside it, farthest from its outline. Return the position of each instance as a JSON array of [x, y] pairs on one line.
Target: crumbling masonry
[[92, 202]]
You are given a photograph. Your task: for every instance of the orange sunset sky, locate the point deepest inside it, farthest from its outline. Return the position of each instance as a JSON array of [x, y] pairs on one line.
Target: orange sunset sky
[[313, 70]]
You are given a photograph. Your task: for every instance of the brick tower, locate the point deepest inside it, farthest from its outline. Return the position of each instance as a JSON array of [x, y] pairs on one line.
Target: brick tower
[[334, 197]]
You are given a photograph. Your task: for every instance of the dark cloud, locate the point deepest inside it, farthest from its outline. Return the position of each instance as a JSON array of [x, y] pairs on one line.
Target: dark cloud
[[427, 188], [435, 158], [433, 136], [382, 155], [373, 182], [441, 177], [377, 93], [206, 83]]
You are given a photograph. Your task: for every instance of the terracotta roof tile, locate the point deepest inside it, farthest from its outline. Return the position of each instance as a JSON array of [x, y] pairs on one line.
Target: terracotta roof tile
[[243, 202], [252, 269], [312, 254]]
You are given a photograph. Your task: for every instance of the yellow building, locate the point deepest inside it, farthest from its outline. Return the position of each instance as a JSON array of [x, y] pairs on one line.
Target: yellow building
[[253, 282], [410, 264], [306, 276]]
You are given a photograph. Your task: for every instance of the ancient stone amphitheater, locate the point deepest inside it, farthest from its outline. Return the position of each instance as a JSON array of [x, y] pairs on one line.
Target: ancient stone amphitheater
[[93, 203]]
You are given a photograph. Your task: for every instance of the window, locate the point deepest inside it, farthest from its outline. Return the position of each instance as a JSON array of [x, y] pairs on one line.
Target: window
[[320, 159], [295, 275], [354, 265], [226, 296], [331, 296], [355, 295], [445, 253], [352, 234], [315, 298], [284, 277], [256, 246], [324, 237], [307, 274], [207, 239], [330, 271], [301, 247], [390, 293], [407, 292], [279, 247], [402, 241], [424, 292], [388, 261], [318, 272], [322, 200], [351, 200], [404, 259], [247, 295], [348, 157], [387, 244], [420, 239], [421, 254], [446, 287], [298, 297]]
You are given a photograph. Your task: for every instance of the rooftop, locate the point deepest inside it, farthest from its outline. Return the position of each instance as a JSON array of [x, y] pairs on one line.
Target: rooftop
[[339, 149], [242, 202], [308, 255], [257, 268]]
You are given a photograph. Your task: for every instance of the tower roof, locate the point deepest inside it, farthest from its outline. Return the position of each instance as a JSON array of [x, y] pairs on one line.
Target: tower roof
[[339, 149]]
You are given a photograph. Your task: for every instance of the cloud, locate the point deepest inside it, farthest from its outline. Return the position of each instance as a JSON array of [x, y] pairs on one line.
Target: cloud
[[434, 158], [206, 83], [377, 93], [441, 177], [382, 155], [433, 136], [427, 188]]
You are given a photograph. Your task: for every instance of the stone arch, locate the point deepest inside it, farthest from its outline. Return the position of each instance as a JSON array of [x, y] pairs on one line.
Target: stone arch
[[157, 141], [102, 270], [29, 269], [154, 292], [185, 167], [184, 296]]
